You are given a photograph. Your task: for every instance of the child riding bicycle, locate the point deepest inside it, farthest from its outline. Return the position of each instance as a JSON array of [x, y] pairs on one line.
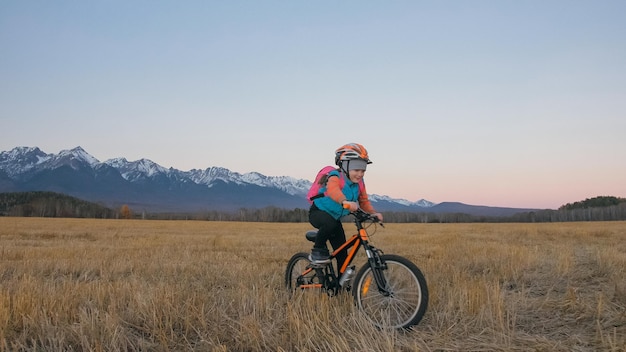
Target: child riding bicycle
[[336, 201]]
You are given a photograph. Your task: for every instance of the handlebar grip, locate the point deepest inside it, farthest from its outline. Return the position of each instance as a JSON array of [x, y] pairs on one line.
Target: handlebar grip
[[345, 205]]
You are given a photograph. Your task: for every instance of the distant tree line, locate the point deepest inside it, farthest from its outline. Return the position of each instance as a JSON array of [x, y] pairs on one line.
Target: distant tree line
[[603, 208], [267, 214], [272, 214], [597, 202], [50, 204]]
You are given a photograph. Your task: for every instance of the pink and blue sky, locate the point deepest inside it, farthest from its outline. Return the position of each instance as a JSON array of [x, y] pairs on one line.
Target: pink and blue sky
[[501, 103]]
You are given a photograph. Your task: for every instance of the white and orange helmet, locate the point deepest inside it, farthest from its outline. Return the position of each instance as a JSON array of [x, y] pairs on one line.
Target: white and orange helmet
[[350, 152]]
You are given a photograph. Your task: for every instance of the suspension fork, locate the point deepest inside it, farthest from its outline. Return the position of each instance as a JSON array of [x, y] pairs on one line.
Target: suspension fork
[[373, 257], [378, 267]]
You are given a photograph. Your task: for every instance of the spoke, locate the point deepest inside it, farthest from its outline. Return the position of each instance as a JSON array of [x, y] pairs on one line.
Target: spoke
[[402, 305]]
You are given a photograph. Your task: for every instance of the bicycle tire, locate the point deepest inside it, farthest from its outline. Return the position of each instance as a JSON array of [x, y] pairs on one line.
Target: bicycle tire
[[407, 303], [295, 267]]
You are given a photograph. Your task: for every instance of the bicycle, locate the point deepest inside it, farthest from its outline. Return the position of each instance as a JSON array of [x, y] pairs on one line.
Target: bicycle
[[389, 289]]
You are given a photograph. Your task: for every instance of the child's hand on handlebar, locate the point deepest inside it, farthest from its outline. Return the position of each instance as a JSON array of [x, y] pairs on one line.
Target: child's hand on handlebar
[[379, 216], [352, 206]]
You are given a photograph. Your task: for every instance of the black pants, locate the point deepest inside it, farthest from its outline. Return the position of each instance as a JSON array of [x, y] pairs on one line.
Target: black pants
[[328, 229]]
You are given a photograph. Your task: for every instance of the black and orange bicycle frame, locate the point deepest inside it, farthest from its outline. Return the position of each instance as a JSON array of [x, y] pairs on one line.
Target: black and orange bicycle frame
[[356, 241]]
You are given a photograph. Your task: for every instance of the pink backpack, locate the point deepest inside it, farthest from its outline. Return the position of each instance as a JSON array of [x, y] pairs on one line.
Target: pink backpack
[[320, 182]]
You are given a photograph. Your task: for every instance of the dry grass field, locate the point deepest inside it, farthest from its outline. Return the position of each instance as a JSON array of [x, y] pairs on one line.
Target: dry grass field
[[132, 285]]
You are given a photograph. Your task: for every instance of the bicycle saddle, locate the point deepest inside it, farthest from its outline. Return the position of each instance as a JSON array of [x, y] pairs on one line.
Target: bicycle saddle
[[311, 235]]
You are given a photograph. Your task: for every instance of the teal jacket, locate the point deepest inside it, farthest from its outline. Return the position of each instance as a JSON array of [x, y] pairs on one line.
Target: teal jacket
[[327, 204]]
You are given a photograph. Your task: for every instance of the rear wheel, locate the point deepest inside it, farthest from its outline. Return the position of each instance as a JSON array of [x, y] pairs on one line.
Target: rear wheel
[[402, 303], [297, 273]]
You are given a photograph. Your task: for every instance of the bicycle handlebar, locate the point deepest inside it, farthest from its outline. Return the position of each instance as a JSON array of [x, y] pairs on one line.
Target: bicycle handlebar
[[363, 216]]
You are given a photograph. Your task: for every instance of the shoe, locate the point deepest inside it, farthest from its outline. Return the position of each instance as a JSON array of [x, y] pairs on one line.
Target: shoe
[[319, 256]]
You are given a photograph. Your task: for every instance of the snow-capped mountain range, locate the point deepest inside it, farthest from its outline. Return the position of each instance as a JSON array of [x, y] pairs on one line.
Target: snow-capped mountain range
[[147, 186], [26, 168]]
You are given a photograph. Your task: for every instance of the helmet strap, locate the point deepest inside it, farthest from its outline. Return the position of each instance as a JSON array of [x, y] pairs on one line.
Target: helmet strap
[[345, 171]]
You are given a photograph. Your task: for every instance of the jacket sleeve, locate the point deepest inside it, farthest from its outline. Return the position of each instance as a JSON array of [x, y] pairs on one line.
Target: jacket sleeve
[[365, 203], [333, 189]]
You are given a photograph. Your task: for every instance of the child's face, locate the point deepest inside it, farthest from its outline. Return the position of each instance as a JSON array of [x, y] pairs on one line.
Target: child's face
[[356, 175]]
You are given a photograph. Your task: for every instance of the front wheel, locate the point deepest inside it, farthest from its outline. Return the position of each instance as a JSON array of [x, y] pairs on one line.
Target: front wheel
[[401, 303]]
